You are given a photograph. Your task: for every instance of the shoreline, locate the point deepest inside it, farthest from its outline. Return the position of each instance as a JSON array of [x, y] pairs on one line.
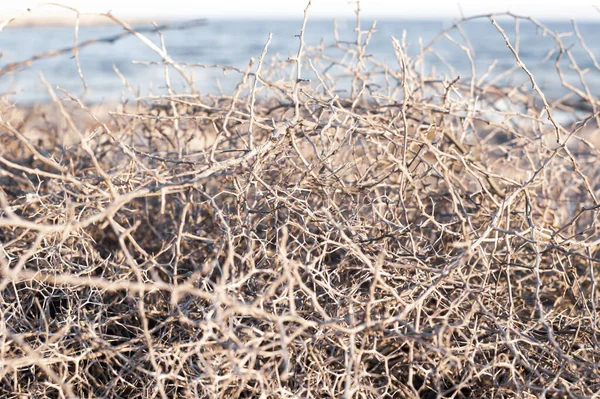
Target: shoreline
[[34, 21]]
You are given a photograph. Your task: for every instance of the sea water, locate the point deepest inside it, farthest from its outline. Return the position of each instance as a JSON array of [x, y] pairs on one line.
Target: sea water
[[235, 42]]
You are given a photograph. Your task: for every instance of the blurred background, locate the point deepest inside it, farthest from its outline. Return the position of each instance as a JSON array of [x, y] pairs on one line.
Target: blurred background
[[230, 32]]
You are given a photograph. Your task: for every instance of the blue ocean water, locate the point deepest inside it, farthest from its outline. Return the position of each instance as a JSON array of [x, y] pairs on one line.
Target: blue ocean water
[[234, 42]]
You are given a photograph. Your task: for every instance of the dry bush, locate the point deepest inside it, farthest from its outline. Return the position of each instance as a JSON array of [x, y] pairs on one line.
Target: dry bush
[[409, 237]]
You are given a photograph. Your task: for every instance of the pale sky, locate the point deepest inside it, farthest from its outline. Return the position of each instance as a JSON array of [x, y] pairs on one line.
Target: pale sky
[[576, 9]]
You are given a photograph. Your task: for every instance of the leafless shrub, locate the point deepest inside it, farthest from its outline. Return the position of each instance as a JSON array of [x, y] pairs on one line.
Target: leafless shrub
[[414, 237]]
